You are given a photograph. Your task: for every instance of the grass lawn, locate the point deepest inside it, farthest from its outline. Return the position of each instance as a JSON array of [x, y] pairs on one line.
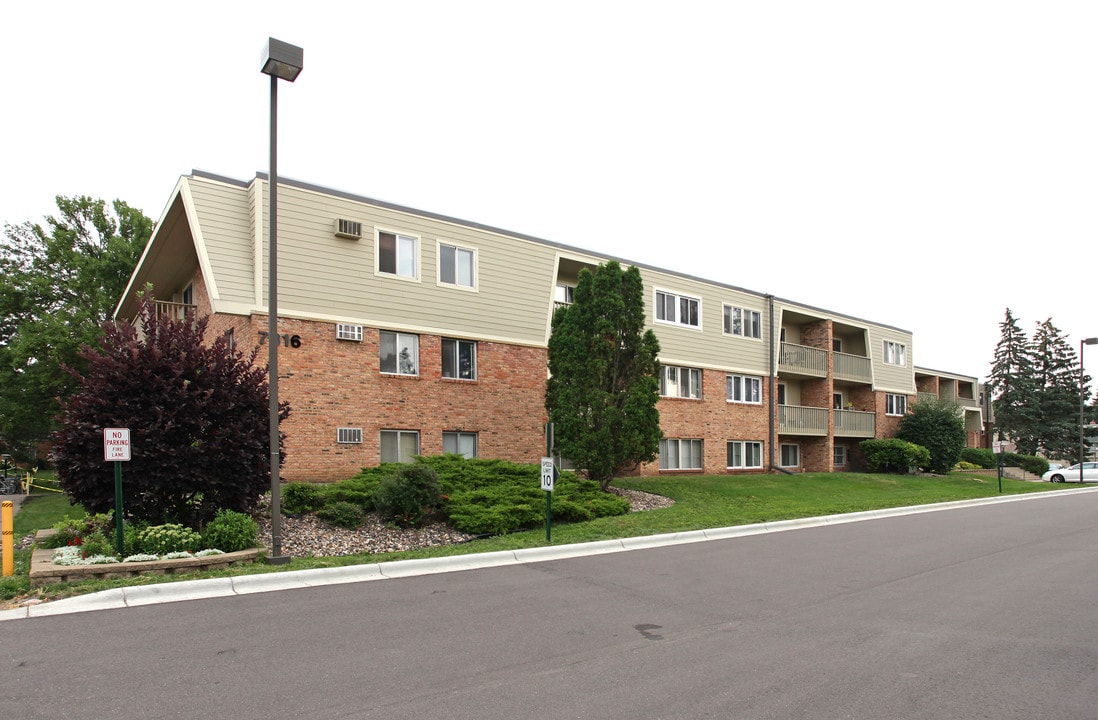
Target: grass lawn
[[701, 502]]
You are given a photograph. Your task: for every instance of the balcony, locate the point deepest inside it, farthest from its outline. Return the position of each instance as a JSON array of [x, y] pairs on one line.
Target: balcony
[[803, 360], [853, 368], [799, 420], [174, 310], [854, 423]]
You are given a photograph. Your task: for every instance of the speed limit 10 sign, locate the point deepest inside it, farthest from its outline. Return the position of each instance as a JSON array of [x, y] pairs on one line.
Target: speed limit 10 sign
[[548, 474]]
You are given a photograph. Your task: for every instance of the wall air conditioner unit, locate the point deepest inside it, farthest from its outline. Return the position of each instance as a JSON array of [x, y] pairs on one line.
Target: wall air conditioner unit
[[349, 436], [349, 332], [351, 229]]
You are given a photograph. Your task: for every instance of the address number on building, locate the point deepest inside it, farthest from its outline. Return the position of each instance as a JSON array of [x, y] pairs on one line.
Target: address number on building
[[293, 341]]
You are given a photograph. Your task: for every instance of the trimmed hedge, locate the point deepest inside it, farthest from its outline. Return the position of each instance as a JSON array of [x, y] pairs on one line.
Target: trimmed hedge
[[892, 455]]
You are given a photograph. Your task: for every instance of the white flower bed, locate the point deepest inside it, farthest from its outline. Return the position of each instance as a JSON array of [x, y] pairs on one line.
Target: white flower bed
[[71, 555]]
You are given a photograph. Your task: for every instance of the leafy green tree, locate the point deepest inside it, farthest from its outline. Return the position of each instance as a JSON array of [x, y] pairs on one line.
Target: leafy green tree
[[1012, 382], [604, 376], [1056, 372], [58, 284], [198, 418], [939, 426]]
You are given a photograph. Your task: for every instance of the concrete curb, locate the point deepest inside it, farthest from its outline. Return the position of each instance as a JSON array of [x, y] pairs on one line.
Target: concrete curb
[[297, 579]]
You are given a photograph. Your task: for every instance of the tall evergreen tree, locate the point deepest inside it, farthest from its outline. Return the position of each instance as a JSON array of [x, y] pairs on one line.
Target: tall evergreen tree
[[604, 376], [1056, 373], [58, 284], [1013, 385]]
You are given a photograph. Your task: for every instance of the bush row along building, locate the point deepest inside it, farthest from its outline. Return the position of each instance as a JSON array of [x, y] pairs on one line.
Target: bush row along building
[[403, 332]]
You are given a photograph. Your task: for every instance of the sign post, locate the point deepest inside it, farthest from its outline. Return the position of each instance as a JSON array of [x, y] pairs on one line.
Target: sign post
[[548, 476], [997, 448], [116, 449]]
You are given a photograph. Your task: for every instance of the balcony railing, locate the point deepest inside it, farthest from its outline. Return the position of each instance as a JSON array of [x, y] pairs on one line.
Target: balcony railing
[[803, 360], [174, 310], [798, 420], [854, 368], [855, 423]]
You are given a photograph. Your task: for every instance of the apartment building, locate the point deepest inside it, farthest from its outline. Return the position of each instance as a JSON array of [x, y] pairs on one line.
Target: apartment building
[[404, 332]]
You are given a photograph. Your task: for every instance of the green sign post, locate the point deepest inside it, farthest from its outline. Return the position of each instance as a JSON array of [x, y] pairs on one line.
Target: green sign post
[[116, 449]]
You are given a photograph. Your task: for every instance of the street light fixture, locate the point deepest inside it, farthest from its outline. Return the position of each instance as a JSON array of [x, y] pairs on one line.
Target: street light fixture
[[282, 61], [1082, 404]]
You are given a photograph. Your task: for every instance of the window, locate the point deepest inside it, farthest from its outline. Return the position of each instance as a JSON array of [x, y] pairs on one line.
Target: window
[[745, 389], [187, 296], [895, 404], [564, 294], [837, 344], [397, 254], [895, 353], [456, 265], [459, 359], [230, 339], [679, 454], [840, 456], [746, 323], [745, 454], [347, 435], [781, 393], [462, 443], [791, 456], [836, 401], [399, 353], [399, 445], [680, 382], [678, 309]]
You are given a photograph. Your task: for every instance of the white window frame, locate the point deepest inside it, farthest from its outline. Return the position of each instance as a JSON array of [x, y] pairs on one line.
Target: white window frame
[[457, 344], [442, 246], [749, 322], [402, 437], [895, 404], [741, 388], [456, 437], [743, 452], [564, 294], [895, 353], [669, 306], [695, 451], [792, 448], [398, 368], [399, 258], [685, 382]]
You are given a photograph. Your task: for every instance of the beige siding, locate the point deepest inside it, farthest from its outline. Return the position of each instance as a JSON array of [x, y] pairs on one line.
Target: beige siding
[[707, 346], [324, 276], [224, 217]]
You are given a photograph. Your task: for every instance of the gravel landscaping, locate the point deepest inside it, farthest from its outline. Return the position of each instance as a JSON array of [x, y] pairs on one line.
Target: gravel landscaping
[[308, 536]]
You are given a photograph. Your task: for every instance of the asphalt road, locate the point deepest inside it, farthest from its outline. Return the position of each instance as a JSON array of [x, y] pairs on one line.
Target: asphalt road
[[982, 612]]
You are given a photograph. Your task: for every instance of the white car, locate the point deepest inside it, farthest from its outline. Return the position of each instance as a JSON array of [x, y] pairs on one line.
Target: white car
[[1071, 474]]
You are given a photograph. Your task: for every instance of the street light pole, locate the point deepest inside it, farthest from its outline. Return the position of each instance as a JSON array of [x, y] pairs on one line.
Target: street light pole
[[281, 61], [1082, 404]]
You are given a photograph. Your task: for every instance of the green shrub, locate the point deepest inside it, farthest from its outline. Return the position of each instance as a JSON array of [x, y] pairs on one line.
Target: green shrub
[[962, 465], [72, 530], [408, 495], [981, 457], [163, 539], [96, 543], [892, 455], [231, 531], [342, 514], [300, 497]]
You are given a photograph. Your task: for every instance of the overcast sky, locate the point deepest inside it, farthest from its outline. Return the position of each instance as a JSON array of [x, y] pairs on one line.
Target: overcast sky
[[924, 165]]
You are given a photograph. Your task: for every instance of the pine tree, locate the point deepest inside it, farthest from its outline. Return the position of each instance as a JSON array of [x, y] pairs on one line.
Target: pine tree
[[1056, 373], [1013, 385], [604, 376]]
